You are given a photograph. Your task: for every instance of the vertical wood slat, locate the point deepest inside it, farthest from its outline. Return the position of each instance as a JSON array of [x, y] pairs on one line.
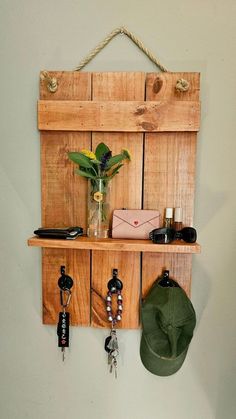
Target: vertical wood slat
[[63, 203], [169, 176], [128, 265], [126, 191], [77, 263]]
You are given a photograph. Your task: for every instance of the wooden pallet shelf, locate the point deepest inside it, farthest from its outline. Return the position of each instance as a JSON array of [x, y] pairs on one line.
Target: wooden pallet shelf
[[145, 114], [86, 243]]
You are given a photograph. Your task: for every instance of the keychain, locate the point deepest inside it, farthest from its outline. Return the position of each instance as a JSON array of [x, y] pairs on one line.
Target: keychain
[[65, 284], [111, 343]]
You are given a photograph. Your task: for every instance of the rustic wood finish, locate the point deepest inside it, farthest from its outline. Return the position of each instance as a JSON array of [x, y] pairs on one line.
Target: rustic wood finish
[[158, 125], [77, 263], [123, 116], [126, 191], [63, 203], [121, 245], [128, 265], [169, 176]]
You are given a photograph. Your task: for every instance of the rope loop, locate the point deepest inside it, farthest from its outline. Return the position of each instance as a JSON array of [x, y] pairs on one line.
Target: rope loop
[[182, 85], [122, 30], [51, 82]]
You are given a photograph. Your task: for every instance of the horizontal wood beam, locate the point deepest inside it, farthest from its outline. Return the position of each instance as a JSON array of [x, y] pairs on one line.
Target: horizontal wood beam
[[120, 245], [119, 116]]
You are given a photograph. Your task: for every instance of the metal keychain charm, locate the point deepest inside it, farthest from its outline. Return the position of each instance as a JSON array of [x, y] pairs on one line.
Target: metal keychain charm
[[65, 284], [111, 342]]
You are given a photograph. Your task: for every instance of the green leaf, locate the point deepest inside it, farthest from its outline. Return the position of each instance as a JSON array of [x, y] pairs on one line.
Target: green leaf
[[95, 161], [80, 159], [114, 160], [100, 150], [84, 174], [116, 170]]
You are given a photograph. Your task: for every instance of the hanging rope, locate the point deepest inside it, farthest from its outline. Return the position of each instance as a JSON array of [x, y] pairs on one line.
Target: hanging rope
[[115, 32], [182, 85]]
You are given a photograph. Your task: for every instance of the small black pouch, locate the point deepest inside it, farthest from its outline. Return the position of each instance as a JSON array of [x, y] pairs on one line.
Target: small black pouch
[[69, 233]]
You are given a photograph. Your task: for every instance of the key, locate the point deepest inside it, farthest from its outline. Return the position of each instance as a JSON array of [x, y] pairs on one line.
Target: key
[[113, 362], [107, 342], [63, 354], [113, 342]]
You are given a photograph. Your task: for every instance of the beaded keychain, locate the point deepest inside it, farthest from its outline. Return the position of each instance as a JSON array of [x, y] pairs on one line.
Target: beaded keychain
[[111, 343]]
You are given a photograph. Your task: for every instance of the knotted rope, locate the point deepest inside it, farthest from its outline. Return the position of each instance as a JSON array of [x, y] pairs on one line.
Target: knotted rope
[[182, 85], [52, 84], [51, 81]]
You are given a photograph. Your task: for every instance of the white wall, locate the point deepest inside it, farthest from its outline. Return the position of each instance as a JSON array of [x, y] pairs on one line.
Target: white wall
[[186, 36]]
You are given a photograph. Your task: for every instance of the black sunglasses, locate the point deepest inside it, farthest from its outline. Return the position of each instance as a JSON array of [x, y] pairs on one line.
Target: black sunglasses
[[167, 235]]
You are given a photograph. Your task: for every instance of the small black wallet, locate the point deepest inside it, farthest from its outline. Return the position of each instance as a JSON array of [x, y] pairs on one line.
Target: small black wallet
[[69, 233]]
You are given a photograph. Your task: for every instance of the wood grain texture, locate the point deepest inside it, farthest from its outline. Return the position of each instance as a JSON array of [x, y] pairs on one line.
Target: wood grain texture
[[179, 265], [161, 86], [121, 245], [128, 266], [63, 192], [118, 110], [123, 116], [63, 202], [77, 263], [126, 191], [169, 176], [169, 173], [72, 85]]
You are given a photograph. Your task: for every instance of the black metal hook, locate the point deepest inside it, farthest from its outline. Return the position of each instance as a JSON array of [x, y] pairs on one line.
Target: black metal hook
[[65, 282], [166, 281], [115, 284]]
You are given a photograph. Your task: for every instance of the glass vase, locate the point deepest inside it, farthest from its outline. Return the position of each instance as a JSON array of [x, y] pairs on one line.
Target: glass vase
[[98, 209]]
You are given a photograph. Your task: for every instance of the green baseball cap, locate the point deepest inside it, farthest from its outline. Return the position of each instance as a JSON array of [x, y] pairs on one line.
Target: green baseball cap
[[168, 320]]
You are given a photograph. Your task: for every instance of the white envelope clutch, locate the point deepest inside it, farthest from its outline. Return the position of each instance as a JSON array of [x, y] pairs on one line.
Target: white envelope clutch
[[134, 224]]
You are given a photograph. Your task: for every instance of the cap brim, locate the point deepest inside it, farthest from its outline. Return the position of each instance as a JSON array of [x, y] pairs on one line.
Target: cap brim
[[159, 365]]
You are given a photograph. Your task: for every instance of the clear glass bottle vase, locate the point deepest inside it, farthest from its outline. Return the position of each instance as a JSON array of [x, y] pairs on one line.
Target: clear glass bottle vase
[[98, 211]]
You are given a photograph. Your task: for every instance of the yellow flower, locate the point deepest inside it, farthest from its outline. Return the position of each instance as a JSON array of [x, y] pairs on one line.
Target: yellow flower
[[88, 154], [98, 196], [126, 153]]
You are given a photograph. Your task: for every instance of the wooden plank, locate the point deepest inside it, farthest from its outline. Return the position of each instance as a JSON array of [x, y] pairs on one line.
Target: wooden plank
[[121, 245], [63, 202], [169, 175], [77, 263], [179, 265], [63, 192], [129, 179], [169, 172], [102, 265], [123, 116], [126, 191], [72, 85], [161, 86]]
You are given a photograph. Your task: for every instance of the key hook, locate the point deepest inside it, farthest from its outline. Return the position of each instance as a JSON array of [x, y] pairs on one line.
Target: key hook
[[115, 284], [65, 282]]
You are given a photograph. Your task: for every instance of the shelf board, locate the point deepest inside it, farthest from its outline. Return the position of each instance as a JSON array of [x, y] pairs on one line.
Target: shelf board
[[121, 245]]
